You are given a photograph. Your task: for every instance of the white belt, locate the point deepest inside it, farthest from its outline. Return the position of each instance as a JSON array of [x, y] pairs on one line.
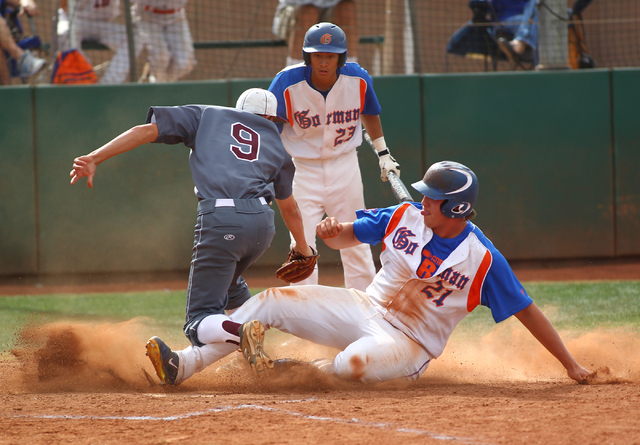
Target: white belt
[[225, 202]]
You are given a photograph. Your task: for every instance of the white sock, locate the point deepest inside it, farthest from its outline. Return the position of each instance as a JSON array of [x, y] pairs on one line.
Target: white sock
[[210, 330], [194, 358]]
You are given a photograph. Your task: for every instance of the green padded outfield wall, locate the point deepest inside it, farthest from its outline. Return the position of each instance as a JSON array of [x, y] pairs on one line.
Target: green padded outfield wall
[[626, 115], [18, 244], [141, 212], [540, 143]]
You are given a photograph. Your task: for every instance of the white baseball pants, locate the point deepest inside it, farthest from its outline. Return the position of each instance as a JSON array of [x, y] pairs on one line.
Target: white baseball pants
[[372, 349], [168, 40], [334, 186]]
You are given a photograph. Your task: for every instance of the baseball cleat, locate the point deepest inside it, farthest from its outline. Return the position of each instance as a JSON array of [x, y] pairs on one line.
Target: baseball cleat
[[251, 338], [164, 360]]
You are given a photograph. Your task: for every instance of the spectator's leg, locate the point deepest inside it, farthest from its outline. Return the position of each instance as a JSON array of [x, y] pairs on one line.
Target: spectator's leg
[[527, 33], [4, 69], [158, 50], [27, 63], [344, 15], [306, 17], [7, 43], [180, 43], [113, 35], [159, 59]]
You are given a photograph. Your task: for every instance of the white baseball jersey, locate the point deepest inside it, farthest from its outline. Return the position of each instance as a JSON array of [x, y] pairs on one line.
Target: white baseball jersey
[[316, 3], [163, 12], [323, 125], [96, 9], [427, 284], [163, 5]]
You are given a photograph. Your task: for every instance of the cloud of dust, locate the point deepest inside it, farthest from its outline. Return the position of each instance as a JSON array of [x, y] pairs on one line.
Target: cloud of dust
[[510, 353], [67, 356], [106, 357]]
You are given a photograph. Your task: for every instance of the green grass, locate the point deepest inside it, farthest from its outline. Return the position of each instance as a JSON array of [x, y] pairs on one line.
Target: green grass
[[164, 312], [570, 306], [575, 306]]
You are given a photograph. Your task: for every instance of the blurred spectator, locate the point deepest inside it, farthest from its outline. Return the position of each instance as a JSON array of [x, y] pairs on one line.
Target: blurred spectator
[[166, 36], [27, 63], [517, 18], [93, 20], [294, 17]]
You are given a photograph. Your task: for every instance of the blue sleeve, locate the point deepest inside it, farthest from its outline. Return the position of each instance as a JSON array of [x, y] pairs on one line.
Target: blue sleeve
[[176, 124], [370, 225], [277, 87], [502, 292], [371, 104]]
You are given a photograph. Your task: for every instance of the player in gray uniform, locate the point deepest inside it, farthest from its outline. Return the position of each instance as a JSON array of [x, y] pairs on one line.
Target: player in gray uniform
[[239, 166]]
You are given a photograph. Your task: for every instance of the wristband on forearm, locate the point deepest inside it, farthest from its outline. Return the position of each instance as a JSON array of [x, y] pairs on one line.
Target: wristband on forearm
[[381, 147]]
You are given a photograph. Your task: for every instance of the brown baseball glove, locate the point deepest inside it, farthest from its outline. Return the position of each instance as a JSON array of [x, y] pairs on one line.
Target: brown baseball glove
[[297, 267]]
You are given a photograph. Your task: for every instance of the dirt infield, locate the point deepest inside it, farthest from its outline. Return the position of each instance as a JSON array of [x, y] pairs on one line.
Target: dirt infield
[[87, 384]]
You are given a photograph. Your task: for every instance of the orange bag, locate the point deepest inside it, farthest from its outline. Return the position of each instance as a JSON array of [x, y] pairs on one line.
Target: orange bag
[[72, 67]]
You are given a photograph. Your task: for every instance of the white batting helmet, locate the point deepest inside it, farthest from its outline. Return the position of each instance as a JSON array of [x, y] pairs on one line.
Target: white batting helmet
[[259, 101]]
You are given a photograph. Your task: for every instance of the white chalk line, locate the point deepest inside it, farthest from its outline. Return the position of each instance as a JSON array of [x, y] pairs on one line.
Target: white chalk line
[[226, 408]]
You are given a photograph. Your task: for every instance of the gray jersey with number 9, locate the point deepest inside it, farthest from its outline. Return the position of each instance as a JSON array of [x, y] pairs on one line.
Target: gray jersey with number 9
[[234, 154]]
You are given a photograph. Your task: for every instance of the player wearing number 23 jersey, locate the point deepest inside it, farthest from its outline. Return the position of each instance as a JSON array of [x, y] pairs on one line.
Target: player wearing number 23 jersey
[[325, 102], [323, 126]]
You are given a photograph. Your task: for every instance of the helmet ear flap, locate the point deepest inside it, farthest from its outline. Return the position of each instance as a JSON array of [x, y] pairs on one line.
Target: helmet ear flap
[[342, 59]]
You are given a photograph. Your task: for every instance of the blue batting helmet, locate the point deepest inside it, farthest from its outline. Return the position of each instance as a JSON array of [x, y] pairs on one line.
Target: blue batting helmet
[[455, 183], [325, 37]]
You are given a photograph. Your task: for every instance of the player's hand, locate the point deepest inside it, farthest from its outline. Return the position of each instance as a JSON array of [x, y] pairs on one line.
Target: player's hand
[[304, 250], [388, 164], [578, 373], [329, 228], [83, 166]]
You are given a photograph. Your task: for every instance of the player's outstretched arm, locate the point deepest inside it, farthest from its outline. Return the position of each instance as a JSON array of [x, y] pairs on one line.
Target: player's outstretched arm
[[293, 220], [337, 235], [540, 327], [130, 139]]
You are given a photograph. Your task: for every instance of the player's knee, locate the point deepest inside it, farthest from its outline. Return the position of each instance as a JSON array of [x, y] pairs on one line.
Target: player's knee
[[351, 365]]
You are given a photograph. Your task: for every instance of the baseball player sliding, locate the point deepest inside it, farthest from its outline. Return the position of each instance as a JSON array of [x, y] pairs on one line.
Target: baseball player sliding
[[238, 166], [437, 266], [325, 102]]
